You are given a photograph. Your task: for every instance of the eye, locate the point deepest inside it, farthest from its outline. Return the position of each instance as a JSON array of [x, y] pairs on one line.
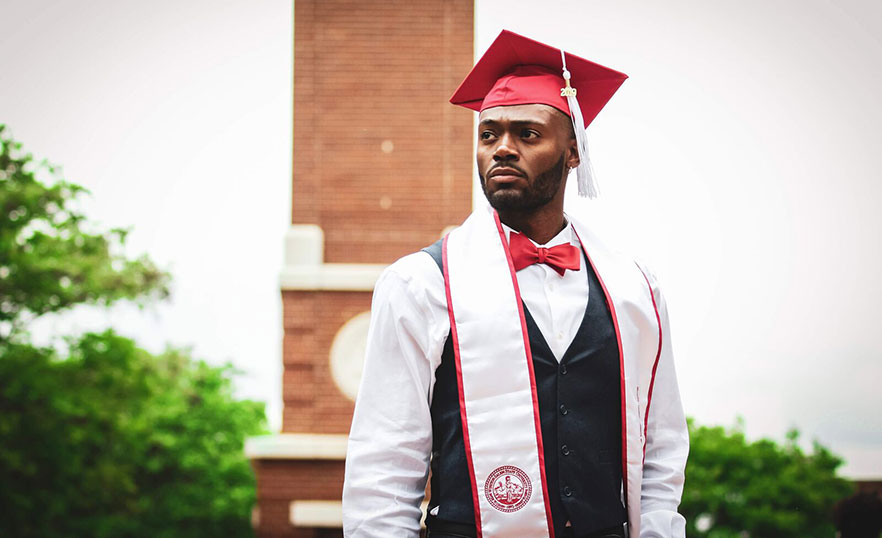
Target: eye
[[487, 135], [529, 133]]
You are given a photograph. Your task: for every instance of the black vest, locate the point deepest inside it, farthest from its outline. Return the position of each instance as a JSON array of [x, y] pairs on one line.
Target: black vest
[[580, 413]]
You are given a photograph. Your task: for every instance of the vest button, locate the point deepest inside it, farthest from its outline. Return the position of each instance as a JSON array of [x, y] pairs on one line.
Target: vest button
[[563, 369], [565, 450], [567, 491], [563, 409]]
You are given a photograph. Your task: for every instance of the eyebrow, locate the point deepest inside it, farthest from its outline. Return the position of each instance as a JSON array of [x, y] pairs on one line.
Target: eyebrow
[[490, 121]]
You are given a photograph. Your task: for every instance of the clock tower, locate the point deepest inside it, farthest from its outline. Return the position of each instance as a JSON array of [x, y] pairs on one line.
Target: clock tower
[[382, 164]]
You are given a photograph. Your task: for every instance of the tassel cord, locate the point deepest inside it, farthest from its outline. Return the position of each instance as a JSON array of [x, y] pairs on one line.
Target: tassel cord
[[584, 171]]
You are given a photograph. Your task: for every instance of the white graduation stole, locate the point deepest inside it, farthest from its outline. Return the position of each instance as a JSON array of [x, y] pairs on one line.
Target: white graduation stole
[[497, 387]]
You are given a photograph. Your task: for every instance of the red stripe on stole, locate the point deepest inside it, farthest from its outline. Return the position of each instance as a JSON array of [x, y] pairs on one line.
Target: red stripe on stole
[[654, 364], [462, 407], [529, 356]]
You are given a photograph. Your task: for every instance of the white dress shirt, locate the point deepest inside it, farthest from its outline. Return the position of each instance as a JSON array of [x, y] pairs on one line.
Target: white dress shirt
[[557, 303], [390, 442]]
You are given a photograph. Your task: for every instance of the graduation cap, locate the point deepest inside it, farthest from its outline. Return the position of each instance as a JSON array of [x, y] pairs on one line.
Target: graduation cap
[[517, 70]]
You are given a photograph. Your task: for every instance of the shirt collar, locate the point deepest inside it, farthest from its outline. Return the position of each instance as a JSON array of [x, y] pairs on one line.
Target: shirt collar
[[566, 235]]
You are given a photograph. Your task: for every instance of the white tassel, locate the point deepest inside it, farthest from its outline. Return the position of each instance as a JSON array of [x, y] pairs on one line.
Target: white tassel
[[584, 172]]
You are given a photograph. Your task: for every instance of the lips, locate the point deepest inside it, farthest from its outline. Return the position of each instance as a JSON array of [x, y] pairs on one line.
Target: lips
[[505, 174]]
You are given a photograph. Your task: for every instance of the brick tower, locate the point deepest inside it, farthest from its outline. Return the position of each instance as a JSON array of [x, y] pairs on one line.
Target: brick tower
[[382, 164]]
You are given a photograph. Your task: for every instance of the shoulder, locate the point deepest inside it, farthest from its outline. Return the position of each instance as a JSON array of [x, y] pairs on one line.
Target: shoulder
[[418, 269], [648, 273], [414, 278], [593, 242], [635, 270]]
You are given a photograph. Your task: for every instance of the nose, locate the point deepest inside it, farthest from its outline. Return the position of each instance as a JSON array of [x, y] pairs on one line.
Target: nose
[[505, 149]]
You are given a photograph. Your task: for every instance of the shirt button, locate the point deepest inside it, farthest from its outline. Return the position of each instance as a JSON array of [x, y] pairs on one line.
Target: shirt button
[[551, 286], [567, 491], [563, 369], [560, 335], [563, 409], [565, 450]]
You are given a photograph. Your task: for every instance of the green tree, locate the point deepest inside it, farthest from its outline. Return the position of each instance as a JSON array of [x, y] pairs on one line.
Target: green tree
[[50, 257], [99, 438], [735, 488], [112, 441]]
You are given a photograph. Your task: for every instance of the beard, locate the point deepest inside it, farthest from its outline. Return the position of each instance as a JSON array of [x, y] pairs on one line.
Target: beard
[[538, 193]]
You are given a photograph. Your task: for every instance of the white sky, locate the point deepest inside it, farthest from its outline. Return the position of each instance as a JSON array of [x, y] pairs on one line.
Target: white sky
[[738, 160]]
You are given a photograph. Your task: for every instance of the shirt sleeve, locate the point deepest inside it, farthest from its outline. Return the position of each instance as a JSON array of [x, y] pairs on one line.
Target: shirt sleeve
[[390, 440], [667, 441]]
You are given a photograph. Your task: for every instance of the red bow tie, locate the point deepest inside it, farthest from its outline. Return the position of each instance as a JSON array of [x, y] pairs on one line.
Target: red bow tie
[[524, 253]]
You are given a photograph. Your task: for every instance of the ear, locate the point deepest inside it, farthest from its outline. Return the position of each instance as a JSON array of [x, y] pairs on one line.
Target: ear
[[572, 156]]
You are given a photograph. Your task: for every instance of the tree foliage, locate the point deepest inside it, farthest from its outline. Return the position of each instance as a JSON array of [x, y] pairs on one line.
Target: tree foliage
[[99, 438], [50, 259], [112, 441], [737, 489]]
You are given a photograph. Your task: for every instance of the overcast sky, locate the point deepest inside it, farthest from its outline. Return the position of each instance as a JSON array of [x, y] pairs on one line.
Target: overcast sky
[[739, 160]]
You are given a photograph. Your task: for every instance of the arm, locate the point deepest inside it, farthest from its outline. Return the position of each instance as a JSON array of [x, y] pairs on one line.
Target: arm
[[391, 437], [667, 442]]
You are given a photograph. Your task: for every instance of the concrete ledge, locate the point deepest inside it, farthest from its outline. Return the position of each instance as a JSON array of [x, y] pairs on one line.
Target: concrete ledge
[[331, 276], [304, 245], [305, 269], [297, 446], [324, 514]]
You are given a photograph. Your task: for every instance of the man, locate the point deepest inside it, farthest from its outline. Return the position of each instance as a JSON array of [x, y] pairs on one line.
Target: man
[[529, 366]]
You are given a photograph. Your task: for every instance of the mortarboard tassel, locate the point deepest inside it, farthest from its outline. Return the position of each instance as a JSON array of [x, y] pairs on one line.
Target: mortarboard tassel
[[584, 172]]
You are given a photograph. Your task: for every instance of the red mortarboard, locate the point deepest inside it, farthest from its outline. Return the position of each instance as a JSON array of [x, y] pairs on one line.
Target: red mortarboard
[[517, 70]]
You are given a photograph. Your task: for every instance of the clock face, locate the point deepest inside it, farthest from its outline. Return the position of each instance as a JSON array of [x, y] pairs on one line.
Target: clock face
[[347, 354]]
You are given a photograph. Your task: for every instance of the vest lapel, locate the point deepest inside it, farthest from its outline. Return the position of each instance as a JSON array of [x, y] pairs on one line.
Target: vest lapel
[[630, 302], [583, 326]]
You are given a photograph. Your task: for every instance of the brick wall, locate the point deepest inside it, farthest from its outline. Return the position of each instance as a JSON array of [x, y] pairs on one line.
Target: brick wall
[[382, 163], [313, 403], [285, 481]]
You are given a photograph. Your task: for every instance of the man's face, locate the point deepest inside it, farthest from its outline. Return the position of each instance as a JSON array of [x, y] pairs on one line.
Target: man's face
[[524, 152]]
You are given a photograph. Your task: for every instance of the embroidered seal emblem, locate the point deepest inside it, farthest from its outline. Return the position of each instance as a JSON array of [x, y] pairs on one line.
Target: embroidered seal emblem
[[508, 489]]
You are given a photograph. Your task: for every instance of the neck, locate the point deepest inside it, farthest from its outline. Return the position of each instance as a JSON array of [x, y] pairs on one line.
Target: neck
[[540, 225]]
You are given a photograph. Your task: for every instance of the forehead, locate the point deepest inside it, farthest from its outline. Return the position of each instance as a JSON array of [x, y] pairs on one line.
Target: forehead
[[532, 113]]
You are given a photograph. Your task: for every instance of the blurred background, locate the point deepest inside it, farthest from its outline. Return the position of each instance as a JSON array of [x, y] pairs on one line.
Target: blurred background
[[738, 161]]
